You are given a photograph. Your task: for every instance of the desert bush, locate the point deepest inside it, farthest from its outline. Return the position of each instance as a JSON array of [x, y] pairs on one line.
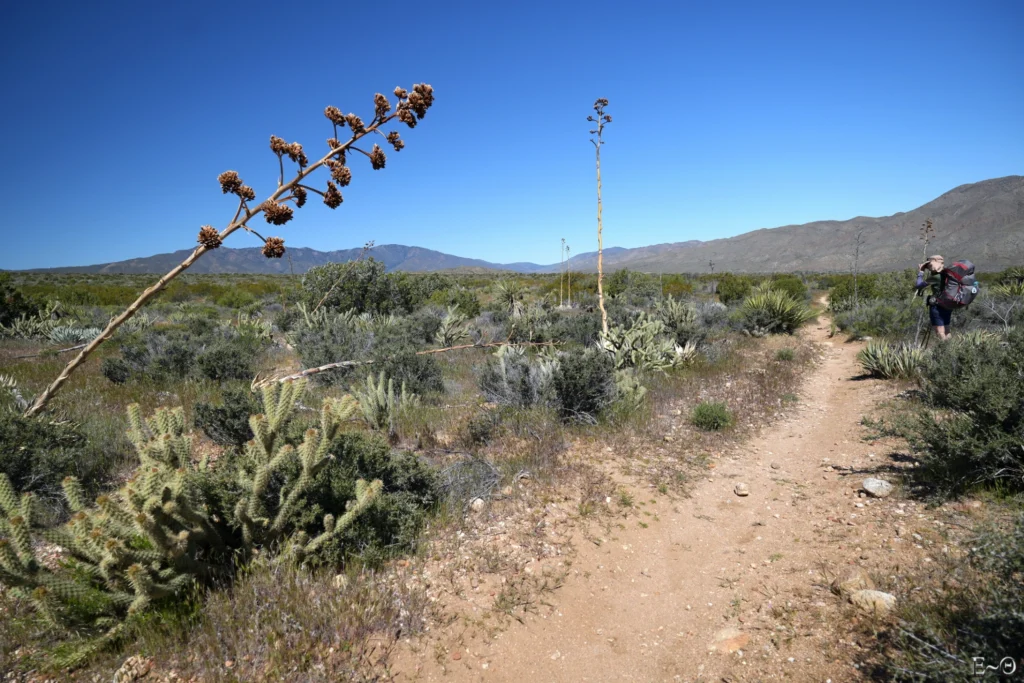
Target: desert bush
[[632, 288], [892, 319], [37, 453], [891, 361], [976, 611], [793, 285], [509, 378], [571, 326], [769, 311], [584, 384], [452, 329], [732, 288], [13, 302], [683, 321], [420, 374], [711, 416], [227, 360], [379, 403], [360, 286], [466, 301], [785, 355], [228, 424], [973, 433]]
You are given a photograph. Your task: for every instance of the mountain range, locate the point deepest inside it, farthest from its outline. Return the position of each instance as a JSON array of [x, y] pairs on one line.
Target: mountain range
[[981, 221]]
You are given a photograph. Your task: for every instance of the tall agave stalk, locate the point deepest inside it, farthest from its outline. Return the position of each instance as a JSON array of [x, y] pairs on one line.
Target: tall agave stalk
[[411, 107], [601, 119]]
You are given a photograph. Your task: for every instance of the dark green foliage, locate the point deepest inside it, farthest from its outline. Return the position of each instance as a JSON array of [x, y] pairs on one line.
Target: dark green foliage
[[571, 326], [711, 416], [792, 285], [868, 287], [228, 423], [893, 319], [785, 355], [13, 303], [287, 319], [634, 288], [482, 427], [979, 440], [337, 341], [364, 286], [584, 384], [229, 359], [732, 288], [37, 453], [116, 370], [394, 353], [978, 613], [511, 379], [462, 297]]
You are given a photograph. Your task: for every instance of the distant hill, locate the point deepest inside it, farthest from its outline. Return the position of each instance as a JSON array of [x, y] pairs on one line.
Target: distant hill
[[981, 221]]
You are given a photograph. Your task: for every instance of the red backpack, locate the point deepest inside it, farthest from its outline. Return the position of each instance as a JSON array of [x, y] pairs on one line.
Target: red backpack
[[960, 286]]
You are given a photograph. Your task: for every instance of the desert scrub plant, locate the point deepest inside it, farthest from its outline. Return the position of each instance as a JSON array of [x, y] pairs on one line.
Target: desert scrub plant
[[891, 361], [379, 403], [711, 416], [771, 311], [452, 329], [411, 107], [228, 424], [509, 378], [893, 319], [785, 355], [584, 384], [682, 321], [645, 346], [509, 294]]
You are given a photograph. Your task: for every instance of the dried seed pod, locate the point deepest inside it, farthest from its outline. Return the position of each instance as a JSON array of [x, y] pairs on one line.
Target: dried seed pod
[[381, 106], [342, 174], [607, 118], [229, 182], [273, 247], [421, 98], [300, 196], [209, 237], [377, 158], [395, 141], [332, 197], [335, 116], [296, 154], [247, 193], [356, 124], [276, 213], [405, 115], [278, 146], [333, 143], [401, 93]]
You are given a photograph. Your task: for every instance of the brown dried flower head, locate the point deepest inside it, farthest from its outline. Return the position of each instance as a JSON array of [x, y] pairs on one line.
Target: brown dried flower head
[[341, 174], [356, 124], [335, 116], [278, 146], [247, 193], [401, 93], [333, 143], [300, 196], [607, 118], [377, 158], [296, 154], [421, 98], [276, 213], [229, 182], [332, 197], [600, 103], [273, 247], [209, 237], [405, 114], [381, 106], [395, 141]]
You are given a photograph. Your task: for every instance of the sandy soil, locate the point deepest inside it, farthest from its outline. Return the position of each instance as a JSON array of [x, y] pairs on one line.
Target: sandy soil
[[716, 586]]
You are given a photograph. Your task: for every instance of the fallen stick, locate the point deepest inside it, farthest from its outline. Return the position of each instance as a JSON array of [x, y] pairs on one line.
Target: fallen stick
[[48, 351]]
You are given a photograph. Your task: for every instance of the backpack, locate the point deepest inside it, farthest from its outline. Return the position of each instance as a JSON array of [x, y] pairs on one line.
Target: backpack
[[960, 286]]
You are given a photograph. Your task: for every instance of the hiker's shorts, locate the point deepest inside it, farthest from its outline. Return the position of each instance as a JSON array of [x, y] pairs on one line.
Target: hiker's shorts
[[939, 316]]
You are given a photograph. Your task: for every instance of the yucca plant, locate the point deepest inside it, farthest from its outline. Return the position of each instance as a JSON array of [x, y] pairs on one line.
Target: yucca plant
[[453, 328], [891, 361], [510, 294], [771, 311], [379, 403], [290, 194], [66, 334]]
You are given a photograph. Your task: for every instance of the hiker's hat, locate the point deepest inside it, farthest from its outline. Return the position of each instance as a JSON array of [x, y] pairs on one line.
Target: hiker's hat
[[936, 262]]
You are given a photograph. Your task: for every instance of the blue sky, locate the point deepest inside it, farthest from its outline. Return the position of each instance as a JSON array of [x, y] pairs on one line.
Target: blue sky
[[728, 117]]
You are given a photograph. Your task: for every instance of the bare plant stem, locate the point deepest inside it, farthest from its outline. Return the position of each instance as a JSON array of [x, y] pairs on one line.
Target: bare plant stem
[[568, 273], [241, 217], [601, 119], [355, 363]]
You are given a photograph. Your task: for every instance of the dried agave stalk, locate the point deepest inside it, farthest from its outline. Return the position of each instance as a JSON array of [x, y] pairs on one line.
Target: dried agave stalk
[[411, 107], [601, 119]]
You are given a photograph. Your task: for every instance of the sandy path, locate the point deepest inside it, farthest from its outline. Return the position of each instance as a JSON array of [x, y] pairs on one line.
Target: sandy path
[[648, 603]]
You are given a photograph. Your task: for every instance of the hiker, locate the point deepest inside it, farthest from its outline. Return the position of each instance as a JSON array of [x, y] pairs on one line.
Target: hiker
[[932, 274]]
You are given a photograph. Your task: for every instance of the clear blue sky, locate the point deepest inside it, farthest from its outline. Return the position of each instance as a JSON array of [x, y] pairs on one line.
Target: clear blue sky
[[728, 116]]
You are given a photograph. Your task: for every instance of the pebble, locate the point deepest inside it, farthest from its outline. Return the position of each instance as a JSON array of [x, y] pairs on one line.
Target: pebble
[[741, 489], [776, 465], [879, 488], [873, 602], [477, 505]]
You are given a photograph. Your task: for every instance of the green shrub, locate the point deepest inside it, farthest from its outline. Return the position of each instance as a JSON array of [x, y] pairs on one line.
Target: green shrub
[[116, 370], [36, 453], [732, 288], [227, 361], [893, 319], [785, 355], [360, 286], [683, 322], [891, 361], [769, 311], [711, 416], [509, 378], [13, 303], [584, 384], [792, 285], [228, 423]]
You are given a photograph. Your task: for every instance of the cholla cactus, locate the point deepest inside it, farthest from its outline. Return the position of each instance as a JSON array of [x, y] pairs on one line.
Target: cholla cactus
[[644, 346], [251, 326], [452, 329], [374, 322], [379, 403]]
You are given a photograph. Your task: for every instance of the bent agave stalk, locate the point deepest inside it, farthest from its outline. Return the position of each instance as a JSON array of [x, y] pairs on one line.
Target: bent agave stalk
[[411, 108]]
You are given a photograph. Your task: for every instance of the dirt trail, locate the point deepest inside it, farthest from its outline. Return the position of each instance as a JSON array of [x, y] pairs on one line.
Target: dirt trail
[[647, 604]]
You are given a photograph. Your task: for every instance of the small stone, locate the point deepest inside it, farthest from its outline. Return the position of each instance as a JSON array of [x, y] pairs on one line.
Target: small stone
[[776, 465], [741, 489], [677, 412], [729, 640], [852, 580], [879, 488], [457, 656], [668, 439], [873, 602], [477, 505]]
